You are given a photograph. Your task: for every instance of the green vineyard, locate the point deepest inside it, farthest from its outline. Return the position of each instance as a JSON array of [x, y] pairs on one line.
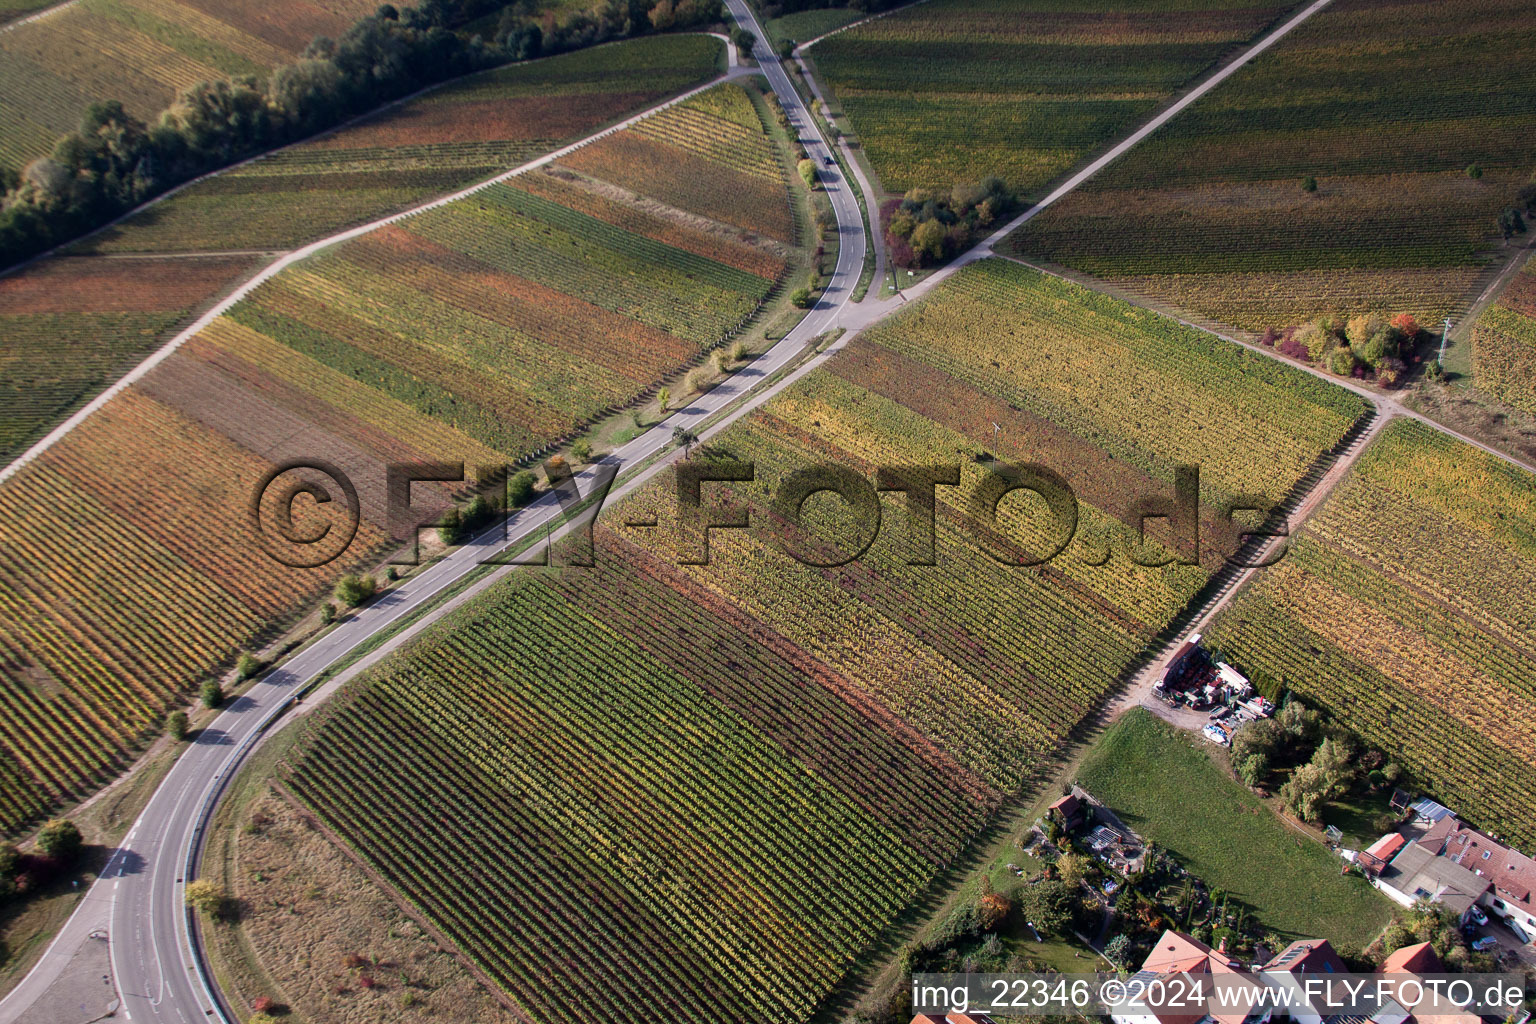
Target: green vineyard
[[957, 90], [1304, 185]]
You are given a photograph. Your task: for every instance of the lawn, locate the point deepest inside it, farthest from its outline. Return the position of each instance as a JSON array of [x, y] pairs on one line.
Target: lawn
[[1167, 788]]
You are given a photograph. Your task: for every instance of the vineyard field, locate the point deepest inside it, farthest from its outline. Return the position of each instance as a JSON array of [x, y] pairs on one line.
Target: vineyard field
[[1405, 185], [644, 743], [953, 91], [141, 52], [1504, 345], [480, 332], [73, 325], [1405, 610], [437, 143]]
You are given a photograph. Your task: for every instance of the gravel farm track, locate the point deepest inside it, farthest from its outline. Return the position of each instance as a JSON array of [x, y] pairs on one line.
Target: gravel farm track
[[157, 963]]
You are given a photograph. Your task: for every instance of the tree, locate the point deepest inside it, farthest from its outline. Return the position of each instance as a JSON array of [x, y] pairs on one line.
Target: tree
[[1264, 738], [212, 694], [353, 590], [664, 397], [1118, 949], [992, 908], [1047, 905], [1511, 223], [450, 530], [176, 725], [1309, 184], [207, 897], [581, 451], [801, 298], [1474, 171], [684, 439], [928, 239], [1298, 721], [1072, 868], [328, 613], [247, 666], [1335, 758], [1252, 769], [520, 488], [10, 860], [59, 839], [807, 168], [1305, 792]]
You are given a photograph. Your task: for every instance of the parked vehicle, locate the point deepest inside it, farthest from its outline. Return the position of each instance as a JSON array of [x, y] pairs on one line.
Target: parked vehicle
[[1478, 915], [1484, 943]]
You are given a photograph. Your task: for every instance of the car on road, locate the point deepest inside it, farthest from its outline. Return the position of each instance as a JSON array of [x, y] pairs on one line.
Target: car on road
[[829, 161]]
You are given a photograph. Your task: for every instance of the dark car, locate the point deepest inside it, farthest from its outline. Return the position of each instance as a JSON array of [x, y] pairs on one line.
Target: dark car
[[830, 161]]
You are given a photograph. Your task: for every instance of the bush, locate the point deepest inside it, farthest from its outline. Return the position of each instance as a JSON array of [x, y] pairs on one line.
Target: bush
[[807, 168], [450, 530], [1474, 171], [352, 590], [581, 451], [177, 726], [1309, 184], [744, 40], [59, 839], [207, 897], [247, 666], [520, 488], [800, 297], [328, 613], [212, 694]]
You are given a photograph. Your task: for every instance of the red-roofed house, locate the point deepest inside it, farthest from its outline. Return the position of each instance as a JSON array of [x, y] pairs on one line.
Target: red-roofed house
[[1375, 858], [1289, 969], [1070, 810], [1512, 873], [1420, 959], [1180, 954], [952, 1018]]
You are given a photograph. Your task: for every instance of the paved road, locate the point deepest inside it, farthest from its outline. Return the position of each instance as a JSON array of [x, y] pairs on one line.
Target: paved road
[[139, 896]]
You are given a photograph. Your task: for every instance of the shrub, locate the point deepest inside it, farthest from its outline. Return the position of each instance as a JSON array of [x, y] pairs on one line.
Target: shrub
[[581, 451], [1309, 184], [207, 897], [520, 488], [352, 590], [738, 351], [328, 613], [800, 297], [1474, 171], [247, 666], [697, 379], [807, 168], [177, 726], [212, 694], [664, 396], [450, 530], [59, 839]]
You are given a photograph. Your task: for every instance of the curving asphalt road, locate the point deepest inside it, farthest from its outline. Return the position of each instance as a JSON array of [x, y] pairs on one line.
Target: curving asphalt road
[[139, 897]]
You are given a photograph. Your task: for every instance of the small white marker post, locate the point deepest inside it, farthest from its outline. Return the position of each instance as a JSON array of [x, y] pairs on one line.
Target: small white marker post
[[1443, 335]]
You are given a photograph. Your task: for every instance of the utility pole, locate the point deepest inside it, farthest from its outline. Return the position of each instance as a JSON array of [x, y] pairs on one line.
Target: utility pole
[[1443, 335]]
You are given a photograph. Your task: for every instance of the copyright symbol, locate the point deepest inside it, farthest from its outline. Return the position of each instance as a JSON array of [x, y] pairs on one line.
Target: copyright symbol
[[307, 533], [1113, 992]]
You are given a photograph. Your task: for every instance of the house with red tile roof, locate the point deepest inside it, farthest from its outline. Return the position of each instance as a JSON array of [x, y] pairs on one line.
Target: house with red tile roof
[[1419, 959], [1422, 1007], [952, 1018], [1512, 874], [1290, 969], [1178, 954]]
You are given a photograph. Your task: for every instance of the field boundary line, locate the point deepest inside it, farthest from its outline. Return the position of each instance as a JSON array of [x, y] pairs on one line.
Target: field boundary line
[[37, 15], [272, 269], [853, 24]]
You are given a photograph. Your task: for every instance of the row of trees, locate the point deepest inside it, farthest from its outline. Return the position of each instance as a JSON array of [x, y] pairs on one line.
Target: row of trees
[[114, 161], [923, 227], [57, 848]]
